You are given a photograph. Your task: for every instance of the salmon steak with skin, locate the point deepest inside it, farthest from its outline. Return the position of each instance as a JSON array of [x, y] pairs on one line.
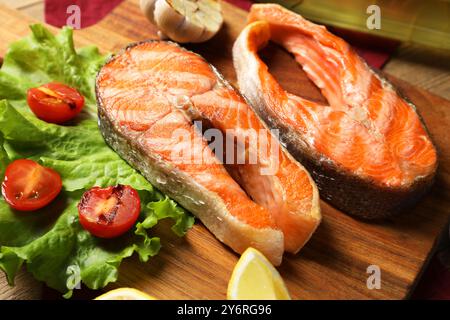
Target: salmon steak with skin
[[151, 97], [367, 149]]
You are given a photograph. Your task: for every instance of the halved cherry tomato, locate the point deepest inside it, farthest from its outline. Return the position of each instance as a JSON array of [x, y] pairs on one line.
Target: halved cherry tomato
[[109, 212], [29, 186], [55, 102]]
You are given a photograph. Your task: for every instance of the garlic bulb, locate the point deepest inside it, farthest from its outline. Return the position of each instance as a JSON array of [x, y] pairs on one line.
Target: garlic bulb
[[184, 20]]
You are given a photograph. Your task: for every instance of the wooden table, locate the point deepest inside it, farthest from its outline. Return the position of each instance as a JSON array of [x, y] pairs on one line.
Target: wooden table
[[426, 68]]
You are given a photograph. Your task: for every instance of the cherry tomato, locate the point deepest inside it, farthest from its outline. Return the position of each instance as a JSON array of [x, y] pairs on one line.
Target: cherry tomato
[[55, 102], [29, 186], [109, 212]]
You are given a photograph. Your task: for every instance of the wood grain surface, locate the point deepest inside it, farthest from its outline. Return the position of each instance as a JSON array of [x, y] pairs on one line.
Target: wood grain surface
[[333, 264], [428, 68]]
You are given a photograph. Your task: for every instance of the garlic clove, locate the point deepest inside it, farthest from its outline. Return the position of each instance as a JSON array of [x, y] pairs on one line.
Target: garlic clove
[[185, 20], [148, 7]]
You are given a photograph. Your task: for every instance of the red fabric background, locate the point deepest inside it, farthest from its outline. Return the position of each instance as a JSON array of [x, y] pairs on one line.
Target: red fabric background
[[435, 283]]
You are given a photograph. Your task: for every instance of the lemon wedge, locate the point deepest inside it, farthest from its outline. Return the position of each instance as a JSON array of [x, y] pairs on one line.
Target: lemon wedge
[[255, 278], [125, 294]]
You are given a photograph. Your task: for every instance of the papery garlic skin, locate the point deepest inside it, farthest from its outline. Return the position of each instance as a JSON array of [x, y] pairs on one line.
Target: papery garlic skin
[[184, 20]]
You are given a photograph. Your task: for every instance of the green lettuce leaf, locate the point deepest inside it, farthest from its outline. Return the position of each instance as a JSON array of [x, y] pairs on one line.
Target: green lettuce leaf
[[66, 254], [51, 242], [3, 157], [78, 153], [43, 57]]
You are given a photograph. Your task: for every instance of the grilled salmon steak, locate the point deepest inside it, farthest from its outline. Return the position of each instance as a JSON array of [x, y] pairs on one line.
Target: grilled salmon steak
[[153, 97], [367, 149]]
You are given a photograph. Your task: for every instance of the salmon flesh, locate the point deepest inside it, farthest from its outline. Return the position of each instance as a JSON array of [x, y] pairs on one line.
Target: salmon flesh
[[367, 148], [159, 105]]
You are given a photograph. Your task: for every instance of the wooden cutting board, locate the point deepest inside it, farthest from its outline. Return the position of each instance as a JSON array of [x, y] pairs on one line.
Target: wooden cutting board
[[333, 264]]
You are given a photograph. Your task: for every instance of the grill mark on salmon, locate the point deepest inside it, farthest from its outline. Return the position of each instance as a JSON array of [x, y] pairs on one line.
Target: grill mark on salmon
[[151, 91], [367, 150]]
